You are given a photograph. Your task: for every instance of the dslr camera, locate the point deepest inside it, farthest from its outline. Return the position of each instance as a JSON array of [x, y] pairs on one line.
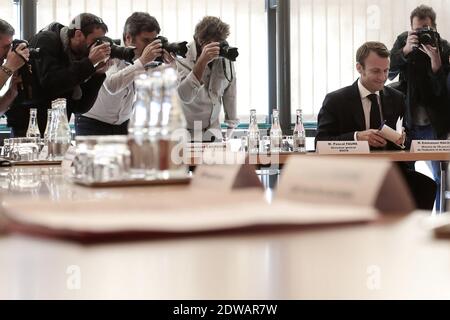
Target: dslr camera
[[26, 71], [34, 53], [117, 51], [428, 36], [227, 52], [177, 48]]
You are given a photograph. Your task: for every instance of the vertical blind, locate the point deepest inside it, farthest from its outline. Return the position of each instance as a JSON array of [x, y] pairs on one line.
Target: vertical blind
[[177, 18], [10, 12], [325, 35]]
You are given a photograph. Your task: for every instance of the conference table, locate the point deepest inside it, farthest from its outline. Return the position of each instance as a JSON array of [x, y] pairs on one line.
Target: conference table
[[395, 257]]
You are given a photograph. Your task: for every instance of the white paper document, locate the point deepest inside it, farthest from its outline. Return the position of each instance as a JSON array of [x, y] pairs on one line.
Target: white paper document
[[393, 135]]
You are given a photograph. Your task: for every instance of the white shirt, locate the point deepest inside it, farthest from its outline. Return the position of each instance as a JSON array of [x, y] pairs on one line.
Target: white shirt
[[114, 103], [367, 104]]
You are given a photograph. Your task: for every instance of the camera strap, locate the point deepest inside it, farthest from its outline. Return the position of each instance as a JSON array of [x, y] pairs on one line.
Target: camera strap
[[223, 67], [225, 70], [184, 65]]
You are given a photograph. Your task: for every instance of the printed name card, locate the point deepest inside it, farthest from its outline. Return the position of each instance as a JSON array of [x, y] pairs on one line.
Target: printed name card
[[343, 147], [430, 146], [225, 178], [200, 146], [350, 182]]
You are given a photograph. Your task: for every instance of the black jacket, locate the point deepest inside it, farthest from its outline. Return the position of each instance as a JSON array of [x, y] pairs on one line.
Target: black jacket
[[420, 85], [342, 113], [54, 76]]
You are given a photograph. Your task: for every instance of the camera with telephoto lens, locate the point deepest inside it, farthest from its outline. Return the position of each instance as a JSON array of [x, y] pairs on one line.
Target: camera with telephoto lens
[[227, 52], [177, 48], [428, 36], [117, 51]]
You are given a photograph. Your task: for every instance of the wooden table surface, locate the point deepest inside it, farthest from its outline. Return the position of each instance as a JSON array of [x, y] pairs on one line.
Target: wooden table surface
[[282, 158]]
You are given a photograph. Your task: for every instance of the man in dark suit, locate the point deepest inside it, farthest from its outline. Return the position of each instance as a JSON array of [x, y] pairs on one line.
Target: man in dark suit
[[355, 113]]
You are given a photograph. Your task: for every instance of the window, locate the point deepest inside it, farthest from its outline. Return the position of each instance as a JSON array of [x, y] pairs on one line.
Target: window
[[247, 20], [325, 35], [11, 13]]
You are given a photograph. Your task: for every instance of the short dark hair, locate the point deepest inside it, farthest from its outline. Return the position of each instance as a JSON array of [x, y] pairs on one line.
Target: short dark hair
[[86, 23], [372, 46], [6, 28], [211, 28], [422, 12], [140, 22]]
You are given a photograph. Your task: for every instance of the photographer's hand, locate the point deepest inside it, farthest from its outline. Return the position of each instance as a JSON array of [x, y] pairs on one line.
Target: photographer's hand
[[16, 59], [167, 57], [209, 53], [151, 52], [99, 53], [433, 53], [411, 42], [102, 67]]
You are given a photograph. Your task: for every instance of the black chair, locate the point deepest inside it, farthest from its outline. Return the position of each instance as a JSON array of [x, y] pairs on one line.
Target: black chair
[[423, 189]]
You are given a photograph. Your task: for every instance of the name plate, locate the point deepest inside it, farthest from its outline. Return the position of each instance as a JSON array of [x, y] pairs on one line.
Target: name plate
[[343, 147], [430, 146], [199, 147], [225, 178], [336, 181]]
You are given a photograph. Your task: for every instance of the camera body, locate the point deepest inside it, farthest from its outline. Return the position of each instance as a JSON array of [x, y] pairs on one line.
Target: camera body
[[117, 52], [428, 36], [34, 53], [26, 71], [177, 48], [227, 52]]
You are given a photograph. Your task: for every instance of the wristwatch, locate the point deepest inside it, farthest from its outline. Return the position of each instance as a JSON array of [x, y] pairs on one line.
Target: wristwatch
[[6, 70]]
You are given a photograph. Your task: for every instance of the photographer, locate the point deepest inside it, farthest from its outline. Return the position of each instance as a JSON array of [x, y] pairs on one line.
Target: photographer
[[14, 60], [67, 66], [113, 108], [206, 81], [420, 57]]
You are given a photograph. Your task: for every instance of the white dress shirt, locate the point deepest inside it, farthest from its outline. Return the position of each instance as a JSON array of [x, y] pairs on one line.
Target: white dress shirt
[[114, 103], [367, 104]]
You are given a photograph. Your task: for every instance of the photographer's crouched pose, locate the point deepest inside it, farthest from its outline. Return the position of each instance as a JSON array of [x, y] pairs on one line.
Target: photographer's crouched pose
[[67, 66], [206, 81]]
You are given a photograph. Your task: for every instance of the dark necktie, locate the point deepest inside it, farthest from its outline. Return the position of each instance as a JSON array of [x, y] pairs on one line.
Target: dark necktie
[[375, 117]]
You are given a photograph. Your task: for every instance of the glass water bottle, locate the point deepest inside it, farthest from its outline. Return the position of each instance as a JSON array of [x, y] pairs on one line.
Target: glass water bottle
[[276, 135], [253, 133], [299, 136], [33, 129]]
